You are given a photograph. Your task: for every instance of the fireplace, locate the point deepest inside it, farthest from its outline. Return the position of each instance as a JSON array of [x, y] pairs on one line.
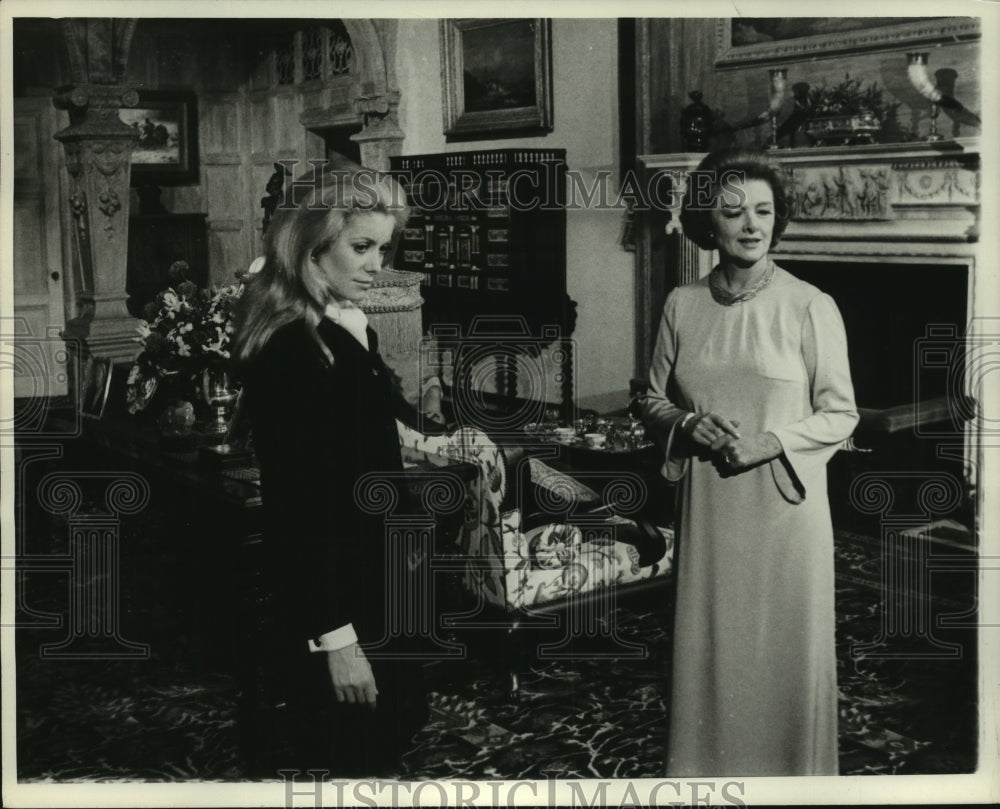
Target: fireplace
[[890, 231], [890, 311]]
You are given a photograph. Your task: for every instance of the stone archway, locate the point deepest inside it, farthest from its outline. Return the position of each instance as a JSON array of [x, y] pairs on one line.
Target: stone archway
[[369, 56], [374, 94]]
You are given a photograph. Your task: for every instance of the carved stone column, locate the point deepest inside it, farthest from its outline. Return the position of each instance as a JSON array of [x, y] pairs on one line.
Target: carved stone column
[[381, 137], [98, 149]]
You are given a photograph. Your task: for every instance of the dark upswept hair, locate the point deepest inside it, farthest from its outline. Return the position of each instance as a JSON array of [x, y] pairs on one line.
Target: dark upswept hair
[[315, 210], [748, 164]]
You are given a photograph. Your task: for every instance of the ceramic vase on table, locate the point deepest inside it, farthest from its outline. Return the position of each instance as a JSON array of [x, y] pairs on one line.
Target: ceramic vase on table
[[176, 419], [175, 411]]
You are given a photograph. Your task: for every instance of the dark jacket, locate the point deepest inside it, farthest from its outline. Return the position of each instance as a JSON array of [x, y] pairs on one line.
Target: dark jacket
[[317, 429]]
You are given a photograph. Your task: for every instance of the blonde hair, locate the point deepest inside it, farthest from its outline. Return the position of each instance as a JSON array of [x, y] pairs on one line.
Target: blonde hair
[[315, 210]]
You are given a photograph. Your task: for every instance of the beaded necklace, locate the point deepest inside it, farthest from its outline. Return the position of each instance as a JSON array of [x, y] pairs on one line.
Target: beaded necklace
[[728, 298]]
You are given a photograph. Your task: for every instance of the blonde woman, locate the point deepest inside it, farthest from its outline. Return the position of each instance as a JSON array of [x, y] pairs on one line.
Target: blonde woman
[[322, 409]]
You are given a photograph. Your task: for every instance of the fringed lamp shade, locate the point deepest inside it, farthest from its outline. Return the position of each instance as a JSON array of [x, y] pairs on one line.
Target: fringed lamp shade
[[393, 308]]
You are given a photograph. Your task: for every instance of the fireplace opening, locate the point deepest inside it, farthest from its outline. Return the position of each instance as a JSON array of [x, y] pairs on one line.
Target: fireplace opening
[[891, 312], [888, 310]]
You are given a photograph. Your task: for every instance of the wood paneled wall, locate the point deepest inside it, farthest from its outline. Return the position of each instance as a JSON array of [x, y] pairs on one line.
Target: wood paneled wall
[[168, 54], [244, 124]]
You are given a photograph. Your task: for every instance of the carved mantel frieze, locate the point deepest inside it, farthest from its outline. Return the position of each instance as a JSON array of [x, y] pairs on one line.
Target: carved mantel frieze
[[901, 202], [911, 199], [380, 135]]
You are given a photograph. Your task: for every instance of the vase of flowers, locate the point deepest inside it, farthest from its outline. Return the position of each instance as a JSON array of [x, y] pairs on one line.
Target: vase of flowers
[[186, 334]]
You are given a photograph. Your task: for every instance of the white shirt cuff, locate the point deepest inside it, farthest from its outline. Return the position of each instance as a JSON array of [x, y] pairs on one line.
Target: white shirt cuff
[[339, 638]]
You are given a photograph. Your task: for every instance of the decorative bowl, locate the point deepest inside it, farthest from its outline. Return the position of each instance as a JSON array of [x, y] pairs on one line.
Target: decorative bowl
[[843, 130]]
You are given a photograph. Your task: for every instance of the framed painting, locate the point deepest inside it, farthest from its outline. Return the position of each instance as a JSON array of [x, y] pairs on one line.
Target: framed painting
[[497, 77], [749, 40], [166, 152], [94, 387]]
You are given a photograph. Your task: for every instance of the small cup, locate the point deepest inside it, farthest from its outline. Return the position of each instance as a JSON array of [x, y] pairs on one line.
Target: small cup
[[595, 440], [565, 433]]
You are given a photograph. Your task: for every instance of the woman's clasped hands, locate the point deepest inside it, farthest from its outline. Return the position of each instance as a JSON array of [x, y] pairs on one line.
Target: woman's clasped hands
[[722, 437]]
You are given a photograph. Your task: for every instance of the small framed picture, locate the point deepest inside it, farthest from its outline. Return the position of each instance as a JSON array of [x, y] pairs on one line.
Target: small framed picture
[[95, 385], [166, 150]]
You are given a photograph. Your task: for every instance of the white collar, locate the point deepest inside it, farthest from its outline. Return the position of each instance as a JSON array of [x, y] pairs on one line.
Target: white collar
[[348, 316]]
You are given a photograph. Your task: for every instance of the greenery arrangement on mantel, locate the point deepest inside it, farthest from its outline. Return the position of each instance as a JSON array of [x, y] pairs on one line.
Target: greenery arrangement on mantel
[[845, 113], [849, 97]]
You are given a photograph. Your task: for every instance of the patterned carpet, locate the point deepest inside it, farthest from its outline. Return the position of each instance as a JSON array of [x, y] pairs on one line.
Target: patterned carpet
[[172, 716]]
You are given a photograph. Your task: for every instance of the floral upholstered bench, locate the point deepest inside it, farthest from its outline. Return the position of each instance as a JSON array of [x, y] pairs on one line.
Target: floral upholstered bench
[[533, 538]]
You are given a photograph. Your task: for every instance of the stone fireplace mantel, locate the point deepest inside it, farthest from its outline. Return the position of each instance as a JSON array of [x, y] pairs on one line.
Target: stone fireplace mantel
[[904, 202], [911, 213]]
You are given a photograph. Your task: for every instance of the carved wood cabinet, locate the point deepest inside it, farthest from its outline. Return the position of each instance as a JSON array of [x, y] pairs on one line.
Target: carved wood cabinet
[[156, 241], [488, 234]]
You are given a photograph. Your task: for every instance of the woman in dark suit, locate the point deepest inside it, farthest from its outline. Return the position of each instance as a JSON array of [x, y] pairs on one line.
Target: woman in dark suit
[[322, 408]]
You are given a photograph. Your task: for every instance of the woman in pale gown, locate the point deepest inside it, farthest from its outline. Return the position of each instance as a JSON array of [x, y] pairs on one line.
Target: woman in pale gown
[[750, 396]]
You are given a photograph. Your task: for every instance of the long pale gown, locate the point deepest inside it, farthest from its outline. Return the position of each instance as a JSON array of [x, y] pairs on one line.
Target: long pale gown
[[753, 683]]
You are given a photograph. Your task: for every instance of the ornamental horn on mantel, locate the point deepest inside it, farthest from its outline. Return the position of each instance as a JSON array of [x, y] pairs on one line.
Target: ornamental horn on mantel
[[775, 98], [776, 95], [919, 78], [917, 71]]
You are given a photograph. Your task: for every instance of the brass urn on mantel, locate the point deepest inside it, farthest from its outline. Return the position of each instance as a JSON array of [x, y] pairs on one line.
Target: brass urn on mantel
[[845, 114], [844, 130]]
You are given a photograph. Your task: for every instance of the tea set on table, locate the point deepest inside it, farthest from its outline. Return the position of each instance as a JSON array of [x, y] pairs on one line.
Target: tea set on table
[[606, 434]]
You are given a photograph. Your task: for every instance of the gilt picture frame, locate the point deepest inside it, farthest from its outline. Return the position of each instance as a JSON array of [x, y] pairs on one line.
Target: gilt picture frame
[[95, 384], [166, 152], [497, 77], [749, 40]]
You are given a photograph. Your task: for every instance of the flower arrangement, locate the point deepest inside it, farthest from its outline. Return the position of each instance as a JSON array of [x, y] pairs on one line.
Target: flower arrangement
[[847, 98], [185, 331]]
